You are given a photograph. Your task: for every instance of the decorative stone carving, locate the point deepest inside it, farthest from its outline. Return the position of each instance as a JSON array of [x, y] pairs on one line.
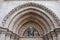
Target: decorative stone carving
[[8, 34], [46, 37], [28, 5], [54, 35], [15, 36]]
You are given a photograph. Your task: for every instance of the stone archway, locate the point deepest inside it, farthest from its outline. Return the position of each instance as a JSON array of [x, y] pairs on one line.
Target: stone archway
[[36, 13]]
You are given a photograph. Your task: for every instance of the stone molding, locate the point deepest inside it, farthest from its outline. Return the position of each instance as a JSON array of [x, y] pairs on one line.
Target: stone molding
[[47, 36], [32, 5], [54, 32], [5, 30], [56, 22], [57, 30], [8, 32]]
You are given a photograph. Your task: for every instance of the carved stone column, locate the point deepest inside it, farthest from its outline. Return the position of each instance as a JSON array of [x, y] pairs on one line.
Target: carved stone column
[[16, 37], [54, 35], [3, 33], [12, 36], [45, 37], [8, 34], [49, 36], [2, 36], [58, 33]]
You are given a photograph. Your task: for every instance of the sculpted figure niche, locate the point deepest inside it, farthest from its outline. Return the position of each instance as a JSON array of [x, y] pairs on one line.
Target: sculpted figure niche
[[31, 32]]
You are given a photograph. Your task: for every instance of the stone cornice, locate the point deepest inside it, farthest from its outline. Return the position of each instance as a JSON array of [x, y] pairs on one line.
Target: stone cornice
[[55, 32], [8, 32], [3, 30]]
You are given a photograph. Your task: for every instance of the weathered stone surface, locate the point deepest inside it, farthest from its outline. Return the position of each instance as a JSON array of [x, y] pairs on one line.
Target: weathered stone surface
[[15, 17]]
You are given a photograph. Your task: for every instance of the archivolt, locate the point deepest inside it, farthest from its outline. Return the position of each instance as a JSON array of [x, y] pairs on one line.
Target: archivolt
[[17, 12], [21, 18]]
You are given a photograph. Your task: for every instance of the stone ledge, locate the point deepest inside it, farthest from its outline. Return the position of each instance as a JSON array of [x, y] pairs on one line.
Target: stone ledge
[[55, 32], [8, 32]]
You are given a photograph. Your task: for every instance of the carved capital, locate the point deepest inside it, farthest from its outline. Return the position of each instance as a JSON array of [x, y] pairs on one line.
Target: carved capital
[[57, 30], [3, 30]]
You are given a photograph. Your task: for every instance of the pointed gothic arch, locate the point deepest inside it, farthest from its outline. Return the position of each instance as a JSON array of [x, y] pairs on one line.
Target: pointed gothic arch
[[30, 12]]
